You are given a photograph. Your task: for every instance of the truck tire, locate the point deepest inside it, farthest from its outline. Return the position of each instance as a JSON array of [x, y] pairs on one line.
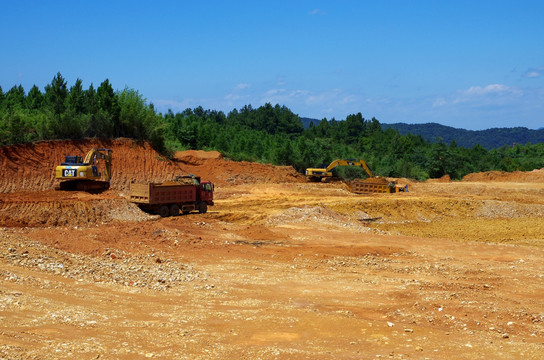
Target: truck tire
[[164, 211], [203, 208], [174, 210]]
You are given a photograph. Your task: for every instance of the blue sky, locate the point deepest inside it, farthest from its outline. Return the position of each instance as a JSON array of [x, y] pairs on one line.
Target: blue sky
[[468, 64]]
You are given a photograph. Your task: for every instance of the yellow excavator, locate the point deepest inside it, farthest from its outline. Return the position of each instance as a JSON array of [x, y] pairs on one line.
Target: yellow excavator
[[320, 174], [373, 184], [76, 173]]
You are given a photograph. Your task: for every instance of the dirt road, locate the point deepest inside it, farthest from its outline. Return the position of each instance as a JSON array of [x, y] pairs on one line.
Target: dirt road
[[276, 270]]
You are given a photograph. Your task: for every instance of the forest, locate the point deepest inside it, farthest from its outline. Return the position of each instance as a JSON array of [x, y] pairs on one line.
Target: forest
[[268, 134], [490, 138]]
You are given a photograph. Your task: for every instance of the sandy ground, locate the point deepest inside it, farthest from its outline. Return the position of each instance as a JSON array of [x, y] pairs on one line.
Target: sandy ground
[[278, 269]]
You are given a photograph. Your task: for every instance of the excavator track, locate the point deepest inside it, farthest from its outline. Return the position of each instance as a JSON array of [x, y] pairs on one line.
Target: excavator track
[[84, 185]]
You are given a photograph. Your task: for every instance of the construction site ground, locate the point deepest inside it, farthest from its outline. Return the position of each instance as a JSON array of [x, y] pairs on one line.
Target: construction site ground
[[279, 268]]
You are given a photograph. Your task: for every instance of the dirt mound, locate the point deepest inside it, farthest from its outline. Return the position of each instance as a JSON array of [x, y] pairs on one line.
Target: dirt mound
[[196, 157], [444, 179], [31, 167], [212, 166], [501, 176], [61, 208]]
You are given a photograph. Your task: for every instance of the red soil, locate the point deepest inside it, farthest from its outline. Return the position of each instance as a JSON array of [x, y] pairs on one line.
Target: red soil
[[31, 167]]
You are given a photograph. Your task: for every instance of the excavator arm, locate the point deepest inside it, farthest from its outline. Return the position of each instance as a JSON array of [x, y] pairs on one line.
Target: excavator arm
[[100, 154], [342, 162], [319, 173]]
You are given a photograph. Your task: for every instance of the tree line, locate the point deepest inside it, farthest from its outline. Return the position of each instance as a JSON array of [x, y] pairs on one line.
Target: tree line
[[268, 134], [62, 112]]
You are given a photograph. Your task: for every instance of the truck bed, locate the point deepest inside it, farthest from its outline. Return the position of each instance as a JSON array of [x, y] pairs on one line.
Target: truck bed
[[164, 193]]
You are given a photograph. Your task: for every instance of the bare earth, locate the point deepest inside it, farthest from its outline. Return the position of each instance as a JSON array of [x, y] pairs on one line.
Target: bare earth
[[279, 269]]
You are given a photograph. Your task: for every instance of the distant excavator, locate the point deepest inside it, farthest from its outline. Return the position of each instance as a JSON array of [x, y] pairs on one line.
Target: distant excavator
[[321, 174], [373, 184], [81, 174]]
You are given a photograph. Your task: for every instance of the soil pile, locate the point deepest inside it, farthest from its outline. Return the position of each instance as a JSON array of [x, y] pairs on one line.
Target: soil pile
[[534, 176], [444, 179], [196, 157], [212, 166], [61, 208]]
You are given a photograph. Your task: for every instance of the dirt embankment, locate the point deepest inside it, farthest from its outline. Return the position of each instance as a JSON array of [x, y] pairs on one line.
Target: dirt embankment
[[31, 167]]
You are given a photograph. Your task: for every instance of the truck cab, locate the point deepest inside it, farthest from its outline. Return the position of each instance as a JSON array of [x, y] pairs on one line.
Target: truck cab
[[206, 189]]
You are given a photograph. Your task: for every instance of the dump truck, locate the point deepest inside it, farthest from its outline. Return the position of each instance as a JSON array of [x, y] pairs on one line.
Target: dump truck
[[77, 173], [184, 193]]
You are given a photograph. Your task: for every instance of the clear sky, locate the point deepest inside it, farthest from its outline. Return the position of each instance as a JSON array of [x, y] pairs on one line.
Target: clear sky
[[470, 64]]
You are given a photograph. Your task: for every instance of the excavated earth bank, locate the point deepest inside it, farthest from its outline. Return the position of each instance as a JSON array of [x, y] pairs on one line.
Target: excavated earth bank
[[279, 268], [28, 180]]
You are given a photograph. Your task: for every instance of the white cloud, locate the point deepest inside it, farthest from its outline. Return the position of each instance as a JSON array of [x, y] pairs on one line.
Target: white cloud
[[493, 88], [233, 97], [534, 73], [485, 95], [317, 11], [242, 86], [273, 92], [438, 102]]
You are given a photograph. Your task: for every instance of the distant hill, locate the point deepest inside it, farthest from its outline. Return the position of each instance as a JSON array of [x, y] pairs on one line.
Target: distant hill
[[489, 139], [306, 122]]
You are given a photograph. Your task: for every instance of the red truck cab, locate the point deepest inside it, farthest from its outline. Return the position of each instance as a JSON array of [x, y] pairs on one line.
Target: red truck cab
[[206, 189]]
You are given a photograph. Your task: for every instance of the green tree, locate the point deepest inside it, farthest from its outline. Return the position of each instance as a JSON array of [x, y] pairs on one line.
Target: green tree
[[108, 110], [15, 98], [34, 99], [55, 95], [75, 101], [355, 126]]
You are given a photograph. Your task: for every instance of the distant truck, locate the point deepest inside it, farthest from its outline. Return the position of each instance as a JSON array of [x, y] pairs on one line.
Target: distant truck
[[184, 193]]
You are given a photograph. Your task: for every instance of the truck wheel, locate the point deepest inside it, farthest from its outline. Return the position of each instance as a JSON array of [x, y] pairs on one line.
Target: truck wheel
[[164, 211], [203, 208], [174, 210]]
